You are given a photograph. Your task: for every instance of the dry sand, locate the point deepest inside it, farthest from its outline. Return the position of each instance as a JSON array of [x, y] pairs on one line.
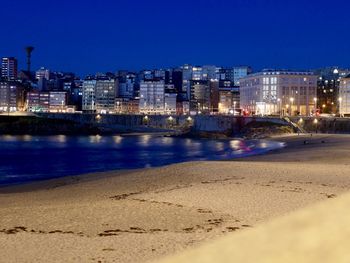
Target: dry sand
[[142, 215]]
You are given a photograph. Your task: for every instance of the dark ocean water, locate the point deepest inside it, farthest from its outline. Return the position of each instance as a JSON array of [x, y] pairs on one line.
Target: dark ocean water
[[30, 158]]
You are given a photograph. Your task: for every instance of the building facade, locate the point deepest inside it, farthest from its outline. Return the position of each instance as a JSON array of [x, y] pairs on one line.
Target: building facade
[[328, 88], [88, 95], [57, 101], [105, 95], [200, 96], [152, 97], [9, 97], [279, 92], [344, 96], [239, 73], [229, 100], [170, 103], [9, 68], [38, 101]]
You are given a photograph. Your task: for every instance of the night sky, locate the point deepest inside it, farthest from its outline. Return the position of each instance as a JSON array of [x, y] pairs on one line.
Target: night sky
[[104, 35]]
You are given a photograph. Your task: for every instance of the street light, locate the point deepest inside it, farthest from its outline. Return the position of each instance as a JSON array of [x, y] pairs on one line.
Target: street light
[[234, 108], [291, 106], [316, 123]]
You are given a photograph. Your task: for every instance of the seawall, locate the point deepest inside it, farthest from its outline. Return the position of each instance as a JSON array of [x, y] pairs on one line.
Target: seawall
[[323, 124], [230, 125]]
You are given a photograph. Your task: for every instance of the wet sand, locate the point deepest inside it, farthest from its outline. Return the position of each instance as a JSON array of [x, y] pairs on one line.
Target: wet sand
[[142, 215]]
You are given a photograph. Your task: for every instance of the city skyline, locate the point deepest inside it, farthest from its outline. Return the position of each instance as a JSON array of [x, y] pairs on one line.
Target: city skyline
[[98, 37]]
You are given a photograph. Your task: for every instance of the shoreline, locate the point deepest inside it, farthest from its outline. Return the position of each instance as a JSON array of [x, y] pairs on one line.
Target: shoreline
[[227, 154], [155, 212], [290, 140]]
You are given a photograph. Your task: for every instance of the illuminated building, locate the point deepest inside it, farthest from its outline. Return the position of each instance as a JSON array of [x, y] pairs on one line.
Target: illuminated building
[[152, 97], [343, 100], [38, 101], [229, 100], [57, 101], [200, 96], [278, 92], [240, 72], [105, 94], [328, 88], [9, 68], [10, 97], [88, 95], [170, 103]]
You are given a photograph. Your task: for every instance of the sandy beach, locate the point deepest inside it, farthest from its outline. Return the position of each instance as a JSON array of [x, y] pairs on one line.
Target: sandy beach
[[143, 215]]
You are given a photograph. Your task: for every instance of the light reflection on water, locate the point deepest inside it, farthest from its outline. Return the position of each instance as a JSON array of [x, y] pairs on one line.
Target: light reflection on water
[[118, 139], [28, 158]]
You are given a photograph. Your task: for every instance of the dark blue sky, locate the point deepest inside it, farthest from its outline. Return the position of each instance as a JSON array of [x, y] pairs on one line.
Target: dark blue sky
[[104, 35]]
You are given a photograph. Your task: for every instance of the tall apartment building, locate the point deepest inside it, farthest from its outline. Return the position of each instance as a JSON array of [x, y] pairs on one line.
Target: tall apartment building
[[99, 95], [344, 96], [214, 95], [42, 73], [200, 96], [88, 96], [152, 97], [43, 76], [9, 68], [9, 97], [127, 83], [170, 103], [279, 92], [328, 88], [105, 95]]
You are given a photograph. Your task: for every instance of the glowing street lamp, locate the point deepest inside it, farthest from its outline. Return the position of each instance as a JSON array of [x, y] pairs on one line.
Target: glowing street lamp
[[145, 120], [291, 106], [316, 124]]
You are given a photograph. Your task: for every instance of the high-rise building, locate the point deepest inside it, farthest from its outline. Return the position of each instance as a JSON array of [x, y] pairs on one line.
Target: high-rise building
[[279, 92], [89, 95], [105, 95], [197, 73], [42, 73], [127, 83], [214, 95], [328, 88], [210, 72], [344, 96], [170, 103], [9, 97], [200, 96], [152, 96], [177, 80], [240, 72], [9, 68], [43, 76]]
